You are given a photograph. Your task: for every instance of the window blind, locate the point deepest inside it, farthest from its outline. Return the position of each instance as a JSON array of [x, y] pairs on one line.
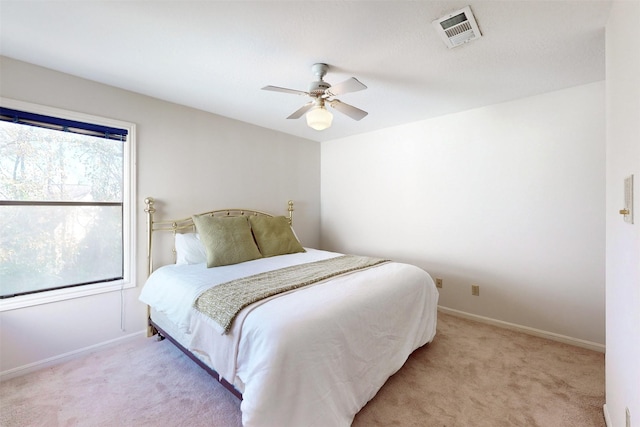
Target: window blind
[[64, 125]]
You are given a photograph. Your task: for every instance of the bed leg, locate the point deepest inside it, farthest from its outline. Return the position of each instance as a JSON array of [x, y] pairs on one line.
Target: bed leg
[[151, 329]]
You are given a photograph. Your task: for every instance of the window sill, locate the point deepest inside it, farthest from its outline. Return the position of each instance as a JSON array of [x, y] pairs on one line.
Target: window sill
[[47, 297]]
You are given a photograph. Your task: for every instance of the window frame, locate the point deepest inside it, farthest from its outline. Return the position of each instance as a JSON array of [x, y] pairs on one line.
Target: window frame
[[129, 212]]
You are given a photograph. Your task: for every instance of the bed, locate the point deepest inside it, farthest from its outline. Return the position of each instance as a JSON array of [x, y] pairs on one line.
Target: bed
[[308, 351]]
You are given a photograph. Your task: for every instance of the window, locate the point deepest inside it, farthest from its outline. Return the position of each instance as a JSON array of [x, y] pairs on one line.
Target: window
[[66, 203]]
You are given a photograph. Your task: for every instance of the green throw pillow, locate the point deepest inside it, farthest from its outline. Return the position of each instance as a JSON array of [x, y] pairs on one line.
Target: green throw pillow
[[274, 236], [227, 240]]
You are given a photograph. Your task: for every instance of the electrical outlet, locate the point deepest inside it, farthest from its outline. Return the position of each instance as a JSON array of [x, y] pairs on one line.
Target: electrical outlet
[[438, 282], [627, 417], [475, 290]]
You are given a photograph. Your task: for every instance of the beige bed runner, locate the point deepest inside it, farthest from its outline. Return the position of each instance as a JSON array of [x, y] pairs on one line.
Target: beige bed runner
[[223, 302]]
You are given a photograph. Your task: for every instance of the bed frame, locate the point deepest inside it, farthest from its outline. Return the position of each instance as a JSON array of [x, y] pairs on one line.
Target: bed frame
[[186, 225]]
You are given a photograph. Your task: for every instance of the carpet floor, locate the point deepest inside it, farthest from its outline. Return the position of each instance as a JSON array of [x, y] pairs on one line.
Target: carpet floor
[[472, 374]]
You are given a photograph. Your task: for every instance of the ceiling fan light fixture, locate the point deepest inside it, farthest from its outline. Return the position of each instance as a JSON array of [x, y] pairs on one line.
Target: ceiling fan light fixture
[[319, 118], [322, 93]]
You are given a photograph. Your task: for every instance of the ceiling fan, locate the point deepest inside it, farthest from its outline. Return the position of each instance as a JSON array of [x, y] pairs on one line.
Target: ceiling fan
[[321, 94]]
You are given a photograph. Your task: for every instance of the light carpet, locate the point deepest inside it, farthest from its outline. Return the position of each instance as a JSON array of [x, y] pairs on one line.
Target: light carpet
[[472, 374]]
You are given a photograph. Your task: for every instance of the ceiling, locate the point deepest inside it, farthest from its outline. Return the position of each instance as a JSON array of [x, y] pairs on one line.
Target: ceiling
[[217, 55]]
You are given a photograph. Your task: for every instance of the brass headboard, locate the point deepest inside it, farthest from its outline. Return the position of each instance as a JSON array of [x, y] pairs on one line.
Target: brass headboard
[[185, 225]]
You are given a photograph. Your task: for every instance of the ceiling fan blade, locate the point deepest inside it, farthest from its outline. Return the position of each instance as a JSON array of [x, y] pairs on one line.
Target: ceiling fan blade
[[285, 90], [350, 85], [300, 111], [349, 110]]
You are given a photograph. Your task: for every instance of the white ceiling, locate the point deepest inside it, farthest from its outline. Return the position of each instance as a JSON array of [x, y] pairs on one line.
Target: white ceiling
[[217, 55]]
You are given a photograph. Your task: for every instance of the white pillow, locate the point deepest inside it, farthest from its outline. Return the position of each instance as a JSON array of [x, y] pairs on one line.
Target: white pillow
[[189, 249]]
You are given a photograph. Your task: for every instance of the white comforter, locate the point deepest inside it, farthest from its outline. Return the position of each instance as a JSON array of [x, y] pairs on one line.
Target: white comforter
[[311, 357]]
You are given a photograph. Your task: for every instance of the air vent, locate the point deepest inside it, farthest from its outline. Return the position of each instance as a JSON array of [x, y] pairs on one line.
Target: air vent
[[457, 28]]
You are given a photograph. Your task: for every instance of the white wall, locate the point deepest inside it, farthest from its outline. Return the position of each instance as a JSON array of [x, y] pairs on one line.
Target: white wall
[[510, 197], [195, 161], [623, 240]]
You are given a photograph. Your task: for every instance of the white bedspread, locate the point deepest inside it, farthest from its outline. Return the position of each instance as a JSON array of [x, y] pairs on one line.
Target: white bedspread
[[312, 357]]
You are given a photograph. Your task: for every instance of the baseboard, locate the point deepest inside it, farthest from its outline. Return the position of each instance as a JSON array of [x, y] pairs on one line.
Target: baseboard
[[607, 418], [525, 329], [55, 360]]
